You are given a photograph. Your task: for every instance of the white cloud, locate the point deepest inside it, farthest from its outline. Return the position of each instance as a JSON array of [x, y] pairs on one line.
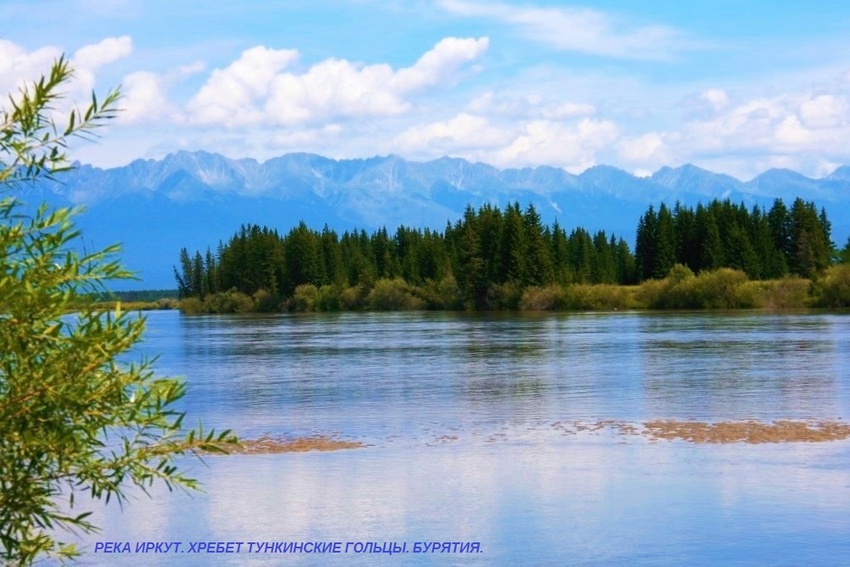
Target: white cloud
[[806, 131], [717, 98], [824, 111], [463, 133], [648, 149], [440, 63], [256, 89], [230, 96], [88, 59], [579, 29], [531, 106], [573, 146], [17, 65], [143, 98]]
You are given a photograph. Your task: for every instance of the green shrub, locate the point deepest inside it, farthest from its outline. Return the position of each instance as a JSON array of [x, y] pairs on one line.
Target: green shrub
[[724, 288], [264, 301], [597, 297], [167, 303], [440, 295], [191, 305], [354, 298], [305, 298], [329, 298], [787, 293], [504, 296], [223, 302], [392, 295], [539, 298], [650, 294], [833, 289]]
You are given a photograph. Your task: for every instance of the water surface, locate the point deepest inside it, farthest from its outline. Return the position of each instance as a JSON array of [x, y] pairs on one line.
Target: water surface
[[458, 412]]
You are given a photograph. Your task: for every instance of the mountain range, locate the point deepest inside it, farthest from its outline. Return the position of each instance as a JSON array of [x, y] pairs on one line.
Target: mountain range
[[196, 199]]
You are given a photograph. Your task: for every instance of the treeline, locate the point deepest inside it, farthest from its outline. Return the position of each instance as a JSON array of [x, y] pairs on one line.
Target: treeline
[[136, 296], [489, 258], [484, 249], [764, 245]]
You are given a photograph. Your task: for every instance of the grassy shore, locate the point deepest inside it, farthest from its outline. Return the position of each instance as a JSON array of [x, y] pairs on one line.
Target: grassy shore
[[159, 304], [681, 289]]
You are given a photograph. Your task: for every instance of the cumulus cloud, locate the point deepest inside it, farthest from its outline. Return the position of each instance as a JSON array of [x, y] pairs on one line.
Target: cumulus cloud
[[259, 87], [532, 106], [88, 59], [785, 124], [17, 65], [805, 130], [648, 149], [573, 146], [440, 63], [230, 95], [462, 133], [824, 111], [579, 29], [144, 98]]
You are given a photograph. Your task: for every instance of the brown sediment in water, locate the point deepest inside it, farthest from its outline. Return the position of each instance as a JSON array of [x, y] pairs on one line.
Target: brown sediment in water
[[271, 445], [783, 431], [750, 431]]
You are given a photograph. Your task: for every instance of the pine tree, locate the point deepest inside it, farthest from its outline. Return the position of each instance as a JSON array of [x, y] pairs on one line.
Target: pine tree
[[708, 238], [513, 246], [646, 244], [560, 255], [471, 272], [538, 270], [665, 253]]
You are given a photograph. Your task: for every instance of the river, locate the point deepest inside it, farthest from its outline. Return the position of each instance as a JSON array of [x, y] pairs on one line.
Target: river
[[464, 416]]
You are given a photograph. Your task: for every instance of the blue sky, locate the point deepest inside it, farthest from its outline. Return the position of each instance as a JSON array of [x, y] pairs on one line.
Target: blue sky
[[734, 87]]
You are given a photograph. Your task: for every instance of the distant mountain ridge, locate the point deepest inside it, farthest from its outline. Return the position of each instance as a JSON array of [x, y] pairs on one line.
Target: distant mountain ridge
[[195, 199]]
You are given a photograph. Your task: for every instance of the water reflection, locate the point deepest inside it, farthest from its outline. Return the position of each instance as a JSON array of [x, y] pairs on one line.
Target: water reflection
[[744, 366], [542, 501], [458, 410], [370, 375]]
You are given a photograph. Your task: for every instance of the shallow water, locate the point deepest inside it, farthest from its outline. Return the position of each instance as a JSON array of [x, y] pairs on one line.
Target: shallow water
[[458, 412]]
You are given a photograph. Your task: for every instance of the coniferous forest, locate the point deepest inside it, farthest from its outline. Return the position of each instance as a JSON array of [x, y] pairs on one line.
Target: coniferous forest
[[716, 255]]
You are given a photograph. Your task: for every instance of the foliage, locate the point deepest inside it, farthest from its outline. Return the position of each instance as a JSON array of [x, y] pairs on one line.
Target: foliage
[[724, 288], [764, 245], [489, 255], [392, 295], [844, 253], [833, 289], [507, 259], [73, 419], [305, 298], [786, 293], [231, 301]]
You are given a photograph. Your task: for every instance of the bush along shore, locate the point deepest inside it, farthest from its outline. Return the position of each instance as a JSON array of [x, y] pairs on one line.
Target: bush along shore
[[717, 256], [144, 300], [724, 288]]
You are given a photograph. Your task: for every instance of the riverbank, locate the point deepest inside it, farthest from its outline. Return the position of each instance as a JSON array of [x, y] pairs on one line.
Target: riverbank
[[681, 289]]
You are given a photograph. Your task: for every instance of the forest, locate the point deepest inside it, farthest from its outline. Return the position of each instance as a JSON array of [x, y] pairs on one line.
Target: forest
[[509, 259]]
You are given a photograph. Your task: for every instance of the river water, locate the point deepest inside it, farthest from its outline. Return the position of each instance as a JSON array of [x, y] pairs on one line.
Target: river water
[[461, 414]]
